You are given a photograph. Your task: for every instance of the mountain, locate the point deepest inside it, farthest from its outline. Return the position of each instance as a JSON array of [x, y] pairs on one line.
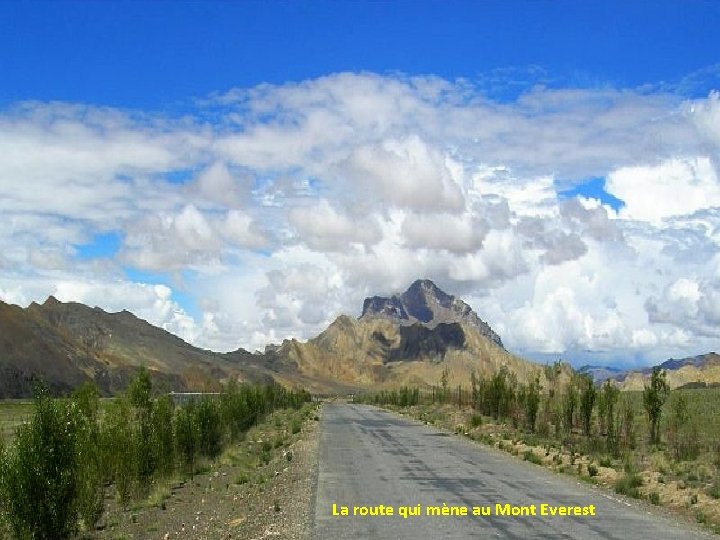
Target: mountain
[[600, 374], [66, 343], [407, 338], [701, 370], [425, 303]]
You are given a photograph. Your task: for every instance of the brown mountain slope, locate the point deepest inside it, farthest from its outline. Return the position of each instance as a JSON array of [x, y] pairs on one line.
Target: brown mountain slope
[[702, 369], [390, 345], [66, 343], [30, 349], [411, 338]]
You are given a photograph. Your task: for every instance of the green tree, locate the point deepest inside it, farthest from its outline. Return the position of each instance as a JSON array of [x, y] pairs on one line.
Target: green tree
[[139, 394], [682, 432], [39, 473], [140, 389], [87, 399], [210, 428], [610, 394], [569, 404], [474, 388], [654, 397], [92, 471], [163, 442], [626, 424], [444, 383], [497, 394], [587, 401], [532, 402], [187, 436], [118, 438]]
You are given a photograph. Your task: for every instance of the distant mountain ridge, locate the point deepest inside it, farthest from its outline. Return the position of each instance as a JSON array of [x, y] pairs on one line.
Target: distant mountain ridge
[[408, 338], [425, 303], [600, 374], [63, 344], [703, 369]]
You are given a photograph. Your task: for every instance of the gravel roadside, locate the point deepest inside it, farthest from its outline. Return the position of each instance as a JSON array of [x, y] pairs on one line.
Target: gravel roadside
[[276, 502]]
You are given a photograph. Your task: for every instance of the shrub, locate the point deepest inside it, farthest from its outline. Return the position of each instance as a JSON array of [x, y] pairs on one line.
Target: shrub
[[187, 436], [530, 456], [92, 470], [117, 436], [628, 484], [476, 420], [654, 498], [162, 435], [296, 426], [714, 489], [39, 473], [605, 461], [592, 470], [210, 428]]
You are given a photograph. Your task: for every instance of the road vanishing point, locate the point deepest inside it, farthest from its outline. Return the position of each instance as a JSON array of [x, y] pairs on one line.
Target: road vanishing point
[[370, 457]]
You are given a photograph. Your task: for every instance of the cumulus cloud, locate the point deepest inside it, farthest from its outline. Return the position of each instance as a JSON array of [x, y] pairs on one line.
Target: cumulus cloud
[[324, 228], [678, 186], [299, 199], [690, 305], [406, 173], [456, 234]]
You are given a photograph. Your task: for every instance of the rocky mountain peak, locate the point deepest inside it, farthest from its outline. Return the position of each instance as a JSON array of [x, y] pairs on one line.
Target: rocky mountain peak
[[426, 304]]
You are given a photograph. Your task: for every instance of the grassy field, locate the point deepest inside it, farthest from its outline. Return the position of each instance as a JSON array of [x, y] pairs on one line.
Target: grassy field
[[703, 408], [12, 413]]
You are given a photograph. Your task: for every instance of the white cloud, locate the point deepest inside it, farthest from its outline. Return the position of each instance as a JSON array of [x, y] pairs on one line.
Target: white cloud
[[324, 228], [678, 186], [456, 234], [300, 199], [406, 173]]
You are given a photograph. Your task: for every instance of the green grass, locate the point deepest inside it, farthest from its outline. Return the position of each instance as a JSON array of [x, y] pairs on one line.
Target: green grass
[[628, 484], [702, 403], [12, 413]]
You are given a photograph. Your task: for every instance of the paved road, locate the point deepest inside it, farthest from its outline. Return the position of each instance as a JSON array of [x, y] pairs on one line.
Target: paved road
[[371, 457]]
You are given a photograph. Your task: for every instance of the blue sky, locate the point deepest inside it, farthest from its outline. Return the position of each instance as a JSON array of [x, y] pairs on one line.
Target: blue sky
[[157, 55], [243, 172]]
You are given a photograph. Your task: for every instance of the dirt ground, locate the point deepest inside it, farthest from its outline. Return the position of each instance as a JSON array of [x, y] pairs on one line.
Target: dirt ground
[[274, 500]]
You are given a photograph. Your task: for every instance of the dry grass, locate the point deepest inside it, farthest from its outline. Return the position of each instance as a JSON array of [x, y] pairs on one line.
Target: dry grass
[[688, 489]]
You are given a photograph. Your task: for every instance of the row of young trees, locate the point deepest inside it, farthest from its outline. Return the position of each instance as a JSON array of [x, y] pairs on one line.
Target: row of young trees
[[571, 404], [54, 477]]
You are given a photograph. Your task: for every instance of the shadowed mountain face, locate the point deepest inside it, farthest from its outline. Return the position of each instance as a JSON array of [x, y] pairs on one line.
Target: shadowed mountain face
[[409, 338], [424, 302], [418, 341]]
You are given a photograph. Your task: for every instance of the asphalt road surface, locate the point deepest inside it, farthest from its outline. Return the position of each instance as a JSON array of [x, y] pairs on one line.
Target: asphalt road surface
[[369, 457]]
